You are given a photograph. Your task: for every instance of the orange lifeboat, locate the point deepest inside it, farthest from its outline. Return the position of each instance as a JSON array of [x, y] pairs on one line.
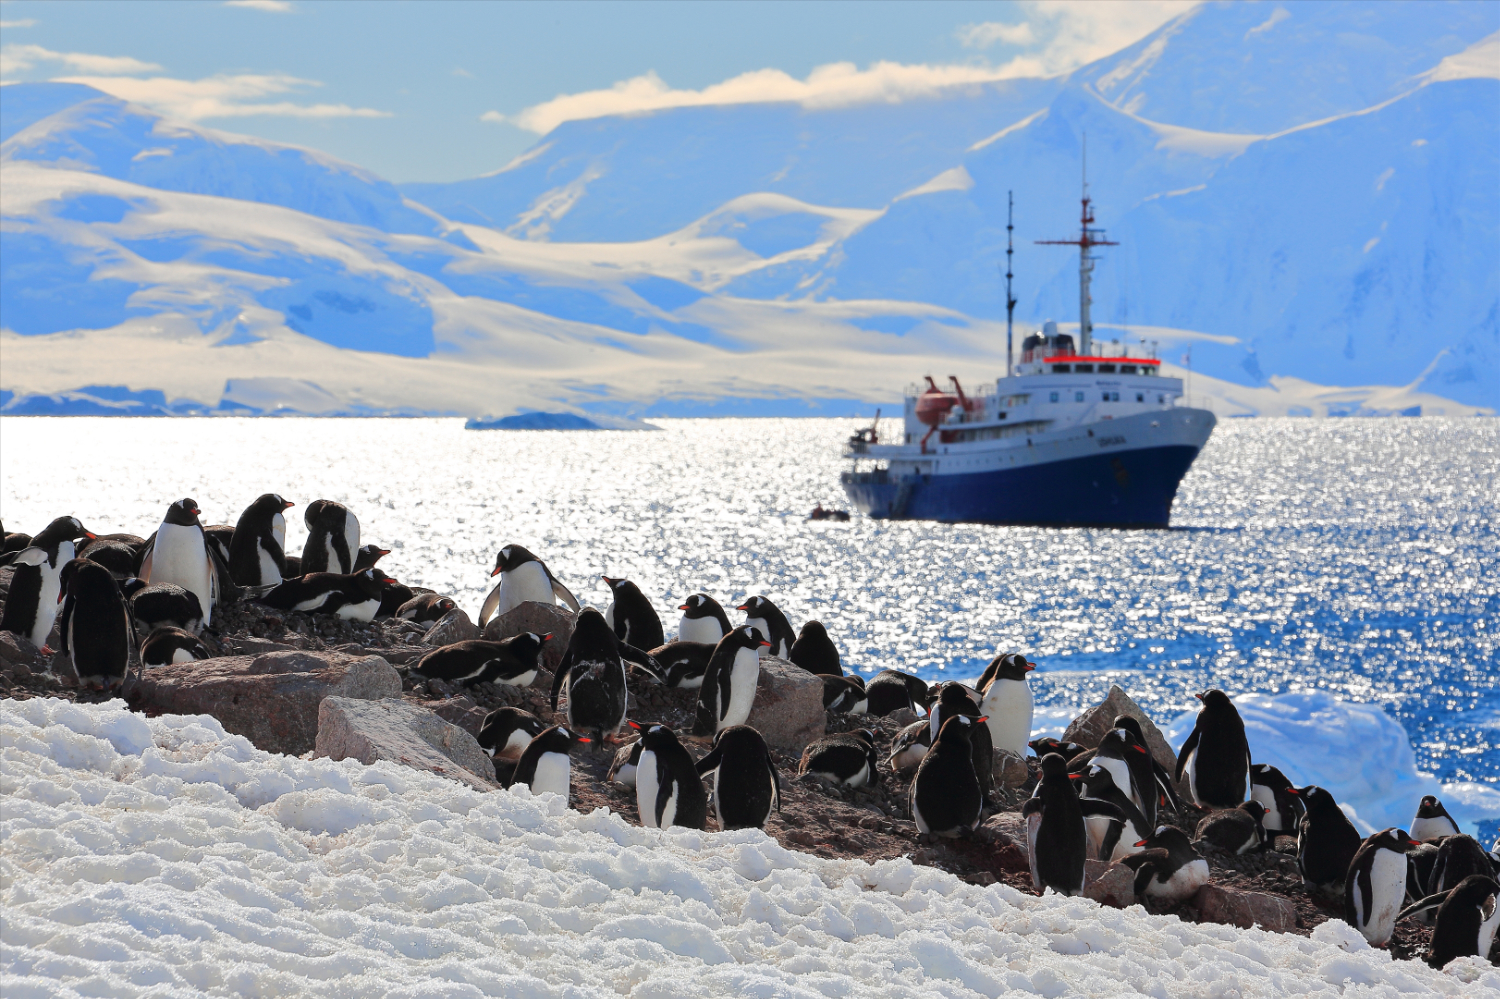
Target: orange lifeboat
[[933, 405]]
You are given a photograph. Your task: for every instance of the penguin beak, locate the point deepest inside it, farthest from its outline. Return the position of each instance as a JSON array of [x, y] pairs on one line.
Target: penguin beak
[[547, 638], [683, 607], [635, 725], [583, 738], [1294, 791], [90, 535], [765, 645], [1030, 667], [611, 582], [1199, 696], [743, 607], [497, 572], [1138, 749], [383, 551], [287, 504], [1143, 842], [984, 718]]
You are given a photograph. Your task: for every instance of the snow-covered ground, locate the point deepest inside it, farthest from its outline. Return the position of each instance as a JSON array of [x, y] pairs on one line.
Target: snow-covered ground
[[164, 857]]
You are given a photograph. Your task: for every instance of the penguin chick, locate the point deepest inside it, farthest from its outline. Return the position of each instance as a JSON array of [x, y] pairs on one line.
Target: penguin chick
[[627, 759], [844, 695], [909, 746], [891, 690], [1234, 830]]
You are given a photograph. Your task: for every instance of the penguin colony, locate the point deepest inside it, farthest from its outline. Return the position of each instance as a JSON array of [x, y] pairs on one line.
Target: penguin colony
[[120, 601]]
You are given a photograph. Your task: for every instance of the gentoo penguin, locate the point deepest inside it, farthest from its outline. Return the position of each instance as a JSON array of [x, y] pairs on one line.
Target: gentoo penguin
[[1110, 839], [425, 608], [1166, 786], [1056, 839], [95, 624], [1008, 703], [524, 578], [332, 538], [746, 785], [393, 597], [1375, 887], [1326, 840], [703, 620], [946, 799], [668, 791], [512, 661], [631, 615], [594, 671], [1271, 788], [844, 694], [1168, 869], [368, 555], [293, 566], [766, 618], [910, 745], [1457, 858], [1216, 755], [118, 558], [353, 596], [31, 604], [1467, 917], [546, 764], [179, 553], [169, 645], [1067, 750], [846, 758], [162, 606], [1235, 830], [257, 551], [815, 652], [728, 691], [684, 663], [1131, 766], [506, 732], [953, 700], [622, 769], [891, 690], [1432, 821], [218, 537]]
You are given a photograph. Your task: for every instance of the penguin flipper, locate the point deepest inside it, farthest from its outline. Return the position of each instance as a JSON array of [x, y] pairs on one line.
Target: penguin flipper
[[775, 782], [1183, 753], [711, 761], [62, 619], [1425, 905], [31, 556], [491, 604], [1033, 806], [644, 660], [227, 591], [1097, 806], [561, 592], [1360, 882], [1167, 785], [563, 669]]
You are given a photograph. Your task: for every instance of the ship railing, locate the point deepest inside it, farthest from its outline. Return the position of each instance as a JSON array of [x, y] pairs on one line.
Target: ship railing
[[1098, 348]]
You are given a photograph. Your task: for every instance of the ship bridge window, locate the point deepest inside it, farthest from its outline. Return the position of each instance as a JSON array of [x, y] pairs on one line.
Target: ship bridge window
[[1061, 369], [1147, 369], [1083, 368], [1054, 397], [1140, 397], [1111, 397], [1127, 369], [1106, 369], [1161, 399], [1077, 396]]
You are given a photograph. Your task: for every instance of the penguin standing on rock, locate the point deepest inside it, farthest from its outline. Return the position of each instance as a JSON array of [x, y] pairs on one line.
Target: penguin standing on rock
[[815, 652], [1056, 838], [1432, 821], [1129, 764], [1468, 915], [946, 799], [1168, 869], [1375, 887], [1150, 773], [332, 538], [524, 578], [668, 790], [766, 618], [631, 615], [1216, 755], [1270, 787], [746, 785], [546, 764], [683, 663], [512, 661], [703, 620], [954, 700], [728, 691], [506, 732], [1008, 703], [1108, 839], [95, 625], [593, 669], [1326, 840], [180, 553], [36, 585], [846, 758], [166, 646]]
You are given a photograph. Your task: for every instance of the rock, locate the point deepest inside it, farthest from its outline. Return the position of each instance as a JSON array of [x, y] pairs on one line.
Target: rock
[[248, 646], [62, 668], [788, 710], [539, 619], [451, 628], [401, 732], [460, 711], [1004, 827], [1217, 904], [1010, 770], [271, 699], [1088, 728], [1109, 884], [15, 650], [903, 716]]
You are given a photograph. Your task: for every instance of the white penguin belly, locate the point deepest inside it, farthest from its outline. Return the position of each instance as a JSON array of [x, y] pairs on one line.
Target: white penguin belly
[[1487, 930], [646, 788], [351, 539], [1191, 769], [182, 656], [278, 530], [46, 606], [609, 615], [525, 583], [861, 706], [699, 629], [909, 757], [362, 611], [1010, 707], [553, 771], [515, 745], [1388, 886], [691, 683], [1425, 830], [1097, 827], [1033, 823], [1119, 772], [1267, 798], [1183, 883], [311, 603], [270, 574], [179, 555], [626, 775], [742, 679]]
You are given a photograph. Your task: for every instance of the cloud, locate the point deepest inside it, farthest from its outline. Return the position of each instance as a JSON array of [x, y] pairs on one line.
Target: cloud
[[19, 58], [269, 6], [23, 23], [494, 117], [1073, 33], [982, 36], [222, 96]]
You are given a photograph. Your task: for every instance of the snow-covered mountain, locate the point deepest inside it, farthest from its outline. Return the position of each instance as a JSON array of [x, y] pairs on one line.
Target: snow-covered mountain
[[1304, 194]]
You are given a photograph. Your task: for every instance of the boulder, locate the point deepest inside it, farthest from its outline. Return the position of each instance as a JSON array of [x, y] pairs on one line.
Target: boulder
[[451, 628], [788, 710], [271, 699], [1217, 904], [1109, 884], [460, 711], [1088, 728], [1004, 827], [1009, 770], [249, 646], [539, 619], [16, 650], [401, 732]]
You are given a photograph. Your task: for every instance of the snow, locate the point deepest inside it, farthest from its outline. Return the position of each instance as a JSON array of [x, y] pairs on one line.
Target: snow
[[163, 855]]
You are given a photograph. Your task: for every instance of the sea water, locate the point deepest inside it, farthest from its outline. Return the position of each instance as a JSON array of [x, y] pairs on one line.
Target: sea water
[[1354, 557]]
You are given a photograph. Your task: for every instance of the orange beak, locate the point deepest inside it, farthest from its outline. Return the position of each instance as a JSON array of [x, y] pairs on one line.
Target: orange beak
[[743, 607], [287, 504], [985, 718], [547, 637], [497, 572], [683, 607], [92, 536], [765, 645], [1143, 842], [1030, 667], [584, 738], [634, 725]]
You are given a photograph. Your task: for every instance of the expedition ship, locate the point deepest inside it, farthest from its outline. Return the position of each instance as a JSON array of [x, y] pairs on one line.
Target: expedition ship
[[1075, 434]]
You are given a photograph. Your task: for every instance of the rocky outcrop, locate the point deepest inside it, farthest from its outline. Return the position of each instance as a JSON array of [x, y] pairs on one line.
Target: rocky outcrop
[[450, 629], [460, 711], [1236, 907], [1109, 884], [16, 650], [1009, 770], [540, 619], [401, 732], [271, 699], [1088, 728], [788, 710]]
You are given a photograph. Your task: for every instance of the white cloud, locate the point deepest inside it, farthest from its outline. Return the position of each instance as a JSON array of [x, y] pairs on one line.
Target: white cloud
[[982, 36], [1277, 16], [222, 96], [1076, 32], [270, 6], [494, 117], [19, 58], [23, 23]]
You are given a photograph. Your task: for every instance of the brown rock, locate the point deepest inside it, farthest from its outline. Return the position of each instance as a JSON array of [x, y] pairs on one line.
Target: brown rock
[[460, 711], [1217, 904], [15, 650], [250, 646], [1088, 728], [1009, 769], [1109, 884], [539, 619], [788, 710], [401, 732], [903, 716], [1004, 827], [272, 699], [451, 628]]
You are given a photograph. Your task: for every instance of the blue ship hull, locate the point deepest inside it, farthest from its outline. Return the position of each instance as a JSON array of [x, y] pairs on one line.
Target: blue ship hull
[[1122, 489]]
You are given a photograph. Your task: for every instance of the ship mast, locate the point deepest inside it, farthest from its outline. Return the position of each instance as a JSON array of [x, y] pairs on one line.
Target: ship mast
[[1088, 238], [1010, 300]]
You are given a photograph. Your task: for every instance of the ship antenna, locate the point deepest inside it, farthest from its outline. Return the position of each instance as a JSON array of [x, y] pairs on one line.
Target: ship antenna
[[1088, 238], [1010, 300]]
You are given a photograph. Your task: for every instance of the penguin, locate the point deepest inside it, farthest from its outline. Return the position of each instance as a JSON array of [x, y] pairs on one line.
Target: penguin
[[1432, 821], [703, 620], [1216, 755], [1056, 838], [523, 578], [631, 615], [352, 596], [1166, 786], [1130, 764], [180, 553], [623, 768], [1420, 862], [513, 661], [1235, 830], [728, 691], [1468, 916], [1110, 839], [1008, 703], [953, 700], [1067, 750], [846, 758], [668, 791], [332, 538], [890, 690], [844, 694], [1326, 840], [1168, 869], [1270, 787], [746, 784], [168, 645], [35, 587], [683, 663], [506, 732], [95, 625], [946, 795], [1375, 887], [119, 559], [909, 746], [368, 555], [1457, 858], [218, 536], [12, 543], [546, 764], [425, 608], [815, 652], [163, 605], [293, 566], [393, 596], [593, 668], [257, 550], [766, 618]]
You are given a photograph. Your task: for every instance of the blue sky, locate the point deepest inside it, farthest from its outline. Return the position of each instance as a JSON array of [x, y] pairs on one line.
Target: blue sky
[[442, 90]]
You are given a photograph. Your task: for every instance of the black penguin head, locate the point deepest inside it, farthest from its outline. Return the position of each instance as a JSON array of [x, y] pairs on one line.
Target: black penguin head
[[700, 605], [73, 571], [1131, 725], [370, 554], [446, 604], [372, 581], [959, 728], [510, 557], [955, 699], [131, 586], [1393, 839], [1431, 808], [269, 504], [655, 737], [1217, 702], [1121, 743], [591, 631], [744, 637], [739, 737], [1053, 765], [310, 515], [1067, 750], [61, 529], [1096, 778], [563, 739], [1254, 809], [526, 647], [757, 606], [1268, 776], [183, 513], [1012, 666], [814, 630], [1317, 800]]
